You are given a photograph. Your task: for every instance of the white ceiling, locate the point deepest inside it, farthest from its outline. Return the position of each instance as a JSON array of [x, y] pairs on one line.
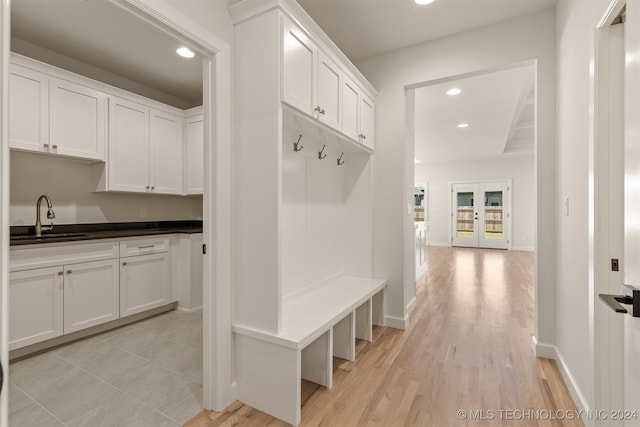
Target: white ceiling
[[492, 104], [117, 45], [363, 28], [105, 36]]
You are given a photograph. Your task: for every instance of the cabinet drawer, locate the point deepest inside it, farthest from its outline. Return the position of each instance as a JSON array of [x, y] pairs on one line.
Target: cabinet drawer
[[144, 246], [51, 255]]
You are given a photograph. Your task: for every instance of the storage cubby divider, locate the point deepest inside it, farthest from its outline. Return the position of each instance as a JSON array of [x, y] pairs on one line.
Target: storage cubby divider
[[344, 338]]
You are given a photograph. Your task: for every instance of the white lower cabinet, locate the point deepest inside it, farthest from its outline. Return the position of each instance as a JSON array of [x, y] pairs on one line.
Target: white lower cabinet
[[36, 303], [144, 282], [61, 289], [91, 294], [49, 302]]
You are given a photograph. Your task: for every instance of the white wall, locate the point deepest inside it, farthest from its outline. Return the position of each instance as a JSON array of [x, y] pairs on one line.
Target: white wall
[[439, 176], [522, 39], [576, 22], [67, 183]]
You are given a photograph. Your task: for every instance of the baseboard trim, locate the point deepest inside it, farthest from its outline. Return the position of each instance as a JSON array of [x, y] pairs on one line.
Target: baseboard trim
[[546, 351], [523, 248], [410, 307], [550, 351], [190, 310], [445, 244], [395, 322]]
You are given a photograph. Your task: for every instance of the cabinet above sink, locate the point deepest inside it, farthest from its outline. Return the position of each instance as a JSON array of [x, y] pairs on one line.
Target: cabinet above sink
[[135, 144]]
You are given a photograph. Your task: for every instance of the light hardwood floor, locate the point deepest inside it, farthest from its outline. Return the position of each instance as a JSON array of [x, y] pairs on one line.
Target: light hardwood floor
[[468, 348]]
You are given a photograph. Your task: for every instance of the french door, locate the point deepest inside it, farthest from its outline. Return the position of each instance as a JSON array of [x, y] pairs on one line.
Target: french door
[[479, 215]]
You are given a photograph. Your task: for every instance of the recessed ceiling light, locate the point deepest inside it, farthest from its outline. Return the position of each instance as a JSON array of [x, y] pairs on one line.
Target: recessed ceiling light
[[423, 2], [185, 52], [463, 125], [454, 91]]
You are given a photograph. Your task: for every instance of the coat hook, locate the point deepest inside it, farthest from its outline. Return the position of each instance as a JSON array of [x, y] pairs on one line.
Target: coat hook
[[296, 145], [320, 155], [340, 161]]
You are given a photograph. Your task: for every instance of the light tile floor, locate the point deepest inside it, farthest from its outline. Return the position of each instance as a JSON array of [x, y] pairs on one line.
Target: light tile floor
[[145, 374]]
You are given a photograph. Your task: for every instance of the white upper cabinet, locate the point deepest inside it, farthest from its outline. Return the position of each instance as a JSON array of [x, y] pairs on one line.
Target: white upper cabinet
[[50, 115], [350, 109], [329, 92], [165, 152], [28, 109], [358, 114], [298, 68], [76, 120], [367, 122], [136, 144], [194, 154], [145, 149], [316, 85], [311, 80], [128, 146]]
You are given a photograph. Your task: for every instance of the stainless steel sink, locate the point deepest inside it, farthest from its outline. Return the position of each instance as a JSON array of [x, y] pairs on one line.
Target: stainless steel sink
[[47, 236]]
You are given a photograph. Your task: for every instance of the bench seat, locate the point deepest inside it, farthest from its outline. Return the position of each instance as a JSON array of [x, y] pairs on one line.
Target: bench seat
[[315, 326]]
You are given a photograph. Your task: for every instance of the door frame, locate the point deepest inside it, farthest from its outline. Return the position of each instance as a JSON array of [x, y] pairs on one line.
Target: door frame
[[508, 205], [5, 37], [218, 390], [605, 327]]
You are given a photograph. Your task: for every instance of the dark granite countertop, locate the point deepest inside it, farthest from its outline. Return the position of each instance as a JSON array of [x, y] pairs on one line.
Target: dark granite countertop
[[25, 234]]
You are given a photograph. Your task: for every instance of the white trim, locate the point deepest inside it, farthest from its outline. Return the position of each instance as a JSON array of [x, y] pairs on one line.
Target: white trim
[[443, 244], [4, 206], [549, 351], [546, 351], [605, 335], [523, 248], [396, 322], [190, 310], [399, 322], [410, 307], [218, 390]]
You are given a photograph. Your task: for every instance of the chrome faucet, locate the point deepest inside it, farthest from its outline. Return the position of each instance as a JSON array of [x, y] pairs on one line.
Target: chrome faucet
[[50, 214]]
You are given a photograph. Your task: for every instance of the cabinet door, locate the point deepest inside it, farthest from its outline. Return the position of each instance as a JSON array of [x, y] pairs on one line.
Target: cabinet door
[[77, 120], [128, 146], [299, 68], [194, 155], [35, 312], [367, 121], [91, 294], [329, 91], [165, 151], [28, 109], [144, 283], [350, 103]]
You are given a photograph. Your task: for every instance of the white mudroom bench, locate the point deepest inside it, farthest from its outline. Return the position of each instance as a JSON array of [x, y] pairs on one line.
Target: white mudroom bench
[[315, 326]]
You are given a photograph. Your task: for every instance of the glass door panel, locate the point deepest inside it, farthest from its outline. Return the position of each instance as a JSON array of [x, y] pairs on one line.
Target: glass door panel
[[464, 216], [494, 216]]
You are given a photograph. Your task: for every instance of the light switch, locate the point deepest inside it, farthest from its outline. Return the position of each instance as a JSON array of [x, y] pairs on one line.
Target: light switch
[[566, 206]]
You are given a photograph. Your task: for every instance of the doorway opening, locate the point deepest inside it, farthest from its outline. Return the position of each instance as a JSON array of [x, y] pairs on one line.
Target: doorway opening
[[479, 127], [213, 205]]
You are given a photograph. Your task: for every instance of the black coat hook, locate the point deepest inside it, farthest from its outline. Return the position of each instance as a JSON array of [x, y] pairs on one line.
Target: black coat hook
[[320, 155], [296, 145]]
